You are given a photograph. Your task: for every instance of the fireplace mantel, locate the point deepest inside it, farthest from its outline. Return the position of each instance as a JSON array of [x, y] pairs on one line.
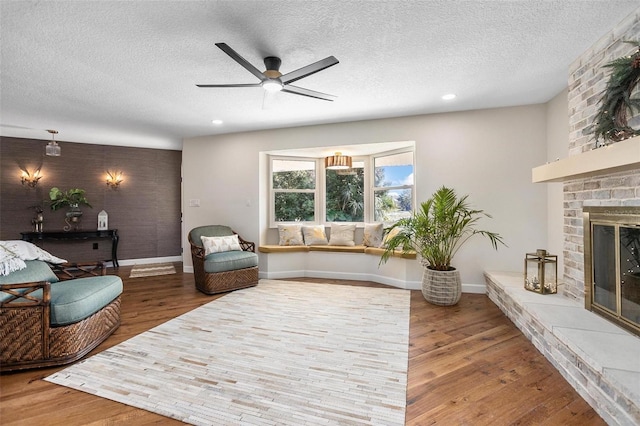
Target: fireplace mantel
[[617, 157]]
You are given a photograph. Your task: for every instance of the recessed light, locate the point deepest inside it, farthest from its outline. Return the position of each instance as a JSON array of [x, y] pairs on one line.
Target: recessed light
[[217, 122], [449, 96]]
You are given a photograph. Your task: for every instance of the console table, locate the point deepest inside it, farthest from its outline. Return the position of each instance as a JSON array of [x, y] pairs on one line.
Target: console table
[[78, 235]]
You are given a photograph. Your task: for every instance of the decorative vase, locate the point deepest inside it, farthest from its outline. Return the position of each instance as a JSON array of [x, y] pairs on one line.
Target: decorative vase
[[442, 288], [73, 217]]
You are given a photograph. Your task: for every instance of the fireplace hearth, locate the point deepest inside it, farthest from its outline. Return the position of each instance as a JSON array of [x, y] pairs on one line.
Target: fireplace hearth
[[612, 264]]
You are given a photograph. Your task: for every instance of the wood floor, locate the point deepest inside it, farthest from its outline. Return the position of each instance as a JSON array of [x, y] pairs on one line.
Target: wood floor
[[468, 365]]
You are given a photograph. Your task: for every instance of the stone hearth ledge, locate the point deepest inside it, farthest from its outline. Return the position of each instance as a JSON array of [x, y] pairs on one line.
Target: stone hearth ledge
[[599, 359]]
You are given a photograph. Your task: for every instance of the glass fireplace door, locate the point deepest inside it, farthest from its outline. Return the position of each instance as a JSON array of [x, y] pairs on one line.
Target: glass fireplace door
[[604, 266], [630, 273]]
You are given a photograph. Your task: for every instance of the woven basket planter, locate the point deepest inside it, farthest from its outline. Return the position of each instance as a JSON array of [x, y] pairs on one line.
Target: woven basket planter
[[442, 288]]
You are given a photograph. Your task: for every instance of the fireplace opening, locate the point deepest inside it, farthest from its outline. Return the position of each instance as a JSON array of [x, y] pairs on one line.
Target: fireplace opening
[[612, 264]]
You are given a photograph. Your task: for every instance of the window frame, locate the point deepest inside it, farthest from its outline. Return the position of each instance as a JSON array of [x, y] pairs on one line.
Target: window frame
[[273, 191], [320, 186], [374, 189]]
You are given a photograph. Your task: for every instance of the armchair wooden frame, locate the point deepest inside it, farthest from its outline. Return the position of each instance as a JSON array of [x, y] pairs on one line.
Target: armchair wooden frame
[[27, 339], [219, 282]]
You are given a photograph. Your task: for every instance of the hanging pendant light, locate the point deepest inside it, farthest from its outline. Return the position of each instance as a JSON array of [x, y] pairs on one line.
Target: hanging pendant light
[[337, 162], [52, 148]]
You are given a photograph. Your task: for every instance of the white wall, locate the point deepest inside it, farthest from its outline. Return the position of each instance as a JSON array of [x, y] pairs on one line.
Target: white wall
[[557, 147], [487, 154]]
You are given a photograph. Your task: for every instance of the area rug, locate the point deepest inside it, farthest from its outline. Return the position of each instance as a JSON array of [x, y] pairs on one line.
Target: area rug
[[280, 353], [139, 271]]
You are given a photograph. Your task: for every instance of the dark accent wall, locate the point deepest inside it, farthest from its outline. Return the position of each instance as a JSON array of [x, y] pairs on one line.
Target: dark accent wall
[[145, 209]]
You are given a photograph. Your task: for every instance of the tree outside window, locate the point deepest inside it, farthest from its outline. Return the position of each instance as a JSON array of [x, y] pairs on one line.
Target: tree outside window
[[294, 190], [344, 201], [393, 187]]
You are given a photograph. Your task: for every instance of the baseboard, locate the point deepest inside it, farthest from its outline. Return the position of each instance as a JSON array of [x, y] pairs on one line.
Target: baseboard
[[147, 261], [474, 288], [407, 285], [341, 276]]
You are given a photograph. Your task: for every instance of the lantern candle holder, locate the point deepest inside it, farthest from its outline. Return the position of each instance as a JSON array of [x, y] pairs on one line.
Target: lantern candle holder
[[541, 272]]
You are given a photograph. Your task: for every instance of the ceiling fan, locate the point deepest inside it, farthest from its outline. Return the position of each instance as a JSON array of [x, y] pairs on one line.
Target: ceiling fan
[[272, 80]]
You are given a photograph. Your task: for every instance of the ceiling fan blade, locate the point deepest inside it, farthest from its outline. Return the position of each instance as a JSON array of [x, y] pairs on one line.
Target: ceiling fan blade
[[307, 92], [230, 85], [242, 61], [308, 70]]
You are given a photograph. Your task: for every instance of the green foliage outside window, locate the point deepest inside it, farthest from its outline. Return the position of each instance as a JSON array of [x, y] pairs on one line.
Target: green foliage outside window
[[294, 179], [294, 207], [345, 196]]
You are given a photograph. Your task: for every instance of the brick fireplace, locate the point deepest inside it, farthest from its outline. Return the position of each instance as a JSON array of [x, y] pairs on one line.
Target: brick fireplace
[[587, 81], [579, 343]]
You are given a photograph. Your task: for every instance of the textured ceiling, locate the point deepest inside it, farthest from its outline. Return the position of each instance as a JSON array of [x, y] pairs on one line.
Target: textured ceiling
[[124, 73]]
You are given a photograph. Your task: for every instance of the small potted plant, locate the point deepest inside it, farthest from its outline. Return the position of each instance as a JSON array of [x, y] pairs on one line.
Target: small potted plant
[[72, 198], [436, 231]]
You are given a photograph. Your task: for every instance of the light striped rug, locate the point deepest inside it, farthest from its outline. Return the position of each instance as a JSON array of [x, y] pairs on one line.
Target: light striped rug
[[139, 271], [281, 353]]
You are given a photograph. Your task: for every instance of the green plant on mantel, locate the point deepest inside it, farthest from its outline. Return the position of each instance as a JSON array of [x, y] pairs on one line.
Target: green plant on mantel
[[616, 104], [71, 198]]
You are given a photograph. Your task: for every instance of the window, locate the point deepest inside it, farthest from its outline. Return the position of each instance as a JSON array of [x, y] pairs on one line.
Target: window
[[344, 189], [293, 186], [393, 187], [378, 188]]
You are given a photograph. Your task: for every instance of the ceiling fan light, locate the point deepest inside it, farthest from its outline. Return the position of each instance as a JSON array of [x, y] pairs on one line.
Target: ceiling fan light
[[272, 85]]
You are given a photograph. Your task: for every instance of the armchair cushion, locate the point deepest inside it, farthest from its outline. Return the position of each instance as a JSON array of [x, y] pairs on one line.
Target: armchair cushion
[[75, 300], [229, 261]]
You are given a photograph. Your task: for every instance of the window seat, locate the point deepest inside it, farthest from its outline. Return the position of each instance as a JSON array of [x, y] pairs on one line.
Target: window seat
[[340, 262], [376, 251]]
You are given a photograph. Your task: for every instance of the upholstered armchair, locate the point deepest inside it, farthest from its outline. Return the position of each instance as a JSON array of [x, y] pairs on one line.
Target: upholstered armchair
[[222, 260], [55, 314]]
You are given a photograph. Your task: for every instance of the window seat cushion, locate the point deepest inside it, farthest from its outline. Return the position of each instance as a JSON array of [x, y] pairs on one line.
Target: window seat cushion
[[340, 249]]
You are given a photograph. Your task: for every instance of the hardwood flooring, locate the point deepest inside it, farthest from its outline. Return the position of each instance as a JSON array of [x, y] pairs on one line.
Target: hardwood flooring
[[468, 365]]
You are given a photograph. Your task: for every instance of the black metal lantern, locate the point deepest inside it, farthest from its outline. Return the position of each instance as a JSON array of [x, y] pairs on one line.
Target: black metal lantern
[[541, 272]]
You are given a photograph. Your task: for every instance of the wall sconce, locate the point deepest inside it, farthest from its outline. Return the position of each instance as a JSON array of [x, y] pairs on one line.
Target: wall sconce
[[114, 179], [31, 180], [337, 162], [53, 149]]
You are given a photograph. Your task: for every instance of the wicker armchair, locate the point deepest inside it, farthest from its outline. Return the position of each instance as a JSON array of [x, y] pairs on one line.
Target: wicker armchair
[[46, 322], [223, 271]]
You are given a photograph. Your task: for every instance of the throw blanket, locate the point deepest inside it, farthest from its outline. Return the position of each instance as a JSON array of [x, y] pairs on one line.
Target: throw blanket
[[13, 253]]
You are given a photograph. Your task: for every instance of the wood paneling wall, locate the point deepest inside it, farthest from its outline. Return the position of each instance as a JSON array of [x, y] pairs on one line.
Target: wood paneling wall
[[145, 209]]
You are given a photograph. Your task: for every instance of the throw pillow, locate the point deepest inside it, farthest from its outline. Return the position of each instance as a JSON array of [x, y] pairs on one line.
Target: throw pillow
[[220, 244], [33, 271], [314, 235], [372, 234], [342, 234], [389, 235], [290, 235], [9, 261], [28, 251]]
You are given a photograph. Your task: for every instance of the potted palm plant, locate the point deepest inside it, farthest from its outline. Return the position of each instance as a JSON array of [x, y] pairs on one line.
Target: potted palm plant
[[72, 198], [436, 231]]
